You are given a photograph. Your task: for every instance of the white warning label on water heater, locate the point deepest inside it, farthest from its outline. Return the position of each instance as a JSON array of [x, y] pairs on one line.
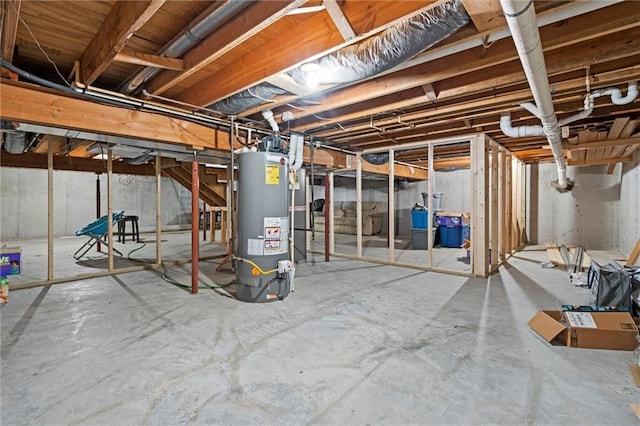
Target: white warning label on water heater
[[276, 235]]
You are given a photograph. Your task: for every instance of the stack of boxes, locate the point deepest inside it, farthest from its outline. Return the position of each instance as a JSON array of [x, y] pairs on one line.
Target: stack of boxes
[[454, 228], [419, 228]]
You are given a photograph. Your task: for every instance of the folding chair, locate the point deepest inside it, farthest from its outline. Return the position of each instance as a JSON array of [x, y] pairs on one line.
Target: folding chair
[[96, 231]]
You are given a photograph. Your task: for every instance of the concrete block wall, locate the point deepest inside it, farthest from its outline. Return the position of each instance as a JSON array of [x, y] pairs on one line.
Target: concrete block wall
[[601, 212], [23, 202]]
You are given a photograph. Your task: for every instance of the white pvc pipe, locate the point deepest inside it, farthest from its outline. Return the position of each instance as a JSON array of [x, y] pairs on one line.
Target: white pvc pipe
[[518, 132], [521, 19]]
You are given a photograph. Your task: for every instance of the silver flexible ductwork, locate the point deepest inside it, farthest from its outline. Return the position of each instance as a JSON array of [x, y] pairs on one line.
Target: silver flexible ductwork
[[14, 142], [372, 56], [208, 21]]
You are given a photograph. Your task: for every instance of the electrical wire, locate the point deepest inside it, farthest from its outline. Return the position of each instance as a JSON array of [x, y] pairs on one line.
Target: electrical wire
[[167, 278], [259, 269], [38, 43]]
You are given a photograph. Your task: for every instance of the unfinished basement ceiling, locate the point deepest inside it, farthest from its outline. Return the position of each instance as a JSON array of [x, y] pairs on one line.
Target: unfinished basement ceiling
[[455, 74]]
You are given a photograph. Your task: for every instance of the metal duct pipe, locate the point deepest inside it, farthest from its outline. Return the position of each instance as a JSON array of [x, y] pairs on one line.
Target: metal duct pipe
[[14, 141], [372, 56], [209, 20], [521, 19]]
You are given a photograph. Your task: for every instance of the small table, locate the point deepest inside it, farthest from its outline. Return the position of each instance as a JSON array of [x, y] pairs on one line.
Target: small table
[[213, 221], [122, 229]]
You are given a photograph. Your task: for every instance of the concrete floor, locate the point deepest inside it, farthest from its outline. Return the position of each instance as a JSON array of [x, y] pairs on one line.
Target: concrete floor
[[357, 343]]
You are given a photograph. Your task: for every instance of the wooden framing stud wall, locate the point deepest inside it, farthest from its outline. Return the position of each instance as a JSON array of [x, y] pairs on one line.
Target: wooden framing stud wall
[[480, 207]]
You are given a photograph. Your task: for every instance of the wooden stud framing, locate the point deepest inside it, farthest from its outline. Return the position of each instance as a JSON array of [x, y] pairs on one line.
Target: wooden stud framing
[[158, 210], [359, 204], [391, 208], [507, 205], [502, 206], [430, 212], [10, 15], [110, 205], [50, 223], [480, 208], [332, 240], [495, 207]]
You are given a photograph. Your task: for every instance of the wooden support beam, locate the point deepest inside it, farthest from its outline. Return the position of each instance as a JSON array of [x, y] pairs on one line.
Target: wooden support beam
[[486, 15], [125, 18], [254, 19], [10, 19], [342, 23], [75, 164], [24, 103], [311, 38], [145, 59]]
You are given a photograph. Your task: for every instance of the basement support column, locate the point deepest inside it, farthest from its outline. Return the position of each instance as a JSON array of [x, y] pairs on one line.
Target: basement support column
[[195, 242], [480, 209], [50, 230], [494, 207], [110, 206], [359, 204], [430, 213], [391, 208], [158, 210], [98, 215]]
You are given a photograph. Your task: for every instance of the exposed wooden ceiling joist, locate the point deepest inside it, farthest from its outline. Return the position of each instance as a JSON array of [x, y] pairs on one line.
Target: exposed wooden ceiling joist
[[125, 18], [10, 19]]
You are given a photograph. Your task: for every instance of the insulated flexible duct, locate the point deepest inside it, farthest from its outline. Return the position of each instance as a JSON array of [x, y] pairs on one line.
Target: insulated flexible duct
[[368, 58]]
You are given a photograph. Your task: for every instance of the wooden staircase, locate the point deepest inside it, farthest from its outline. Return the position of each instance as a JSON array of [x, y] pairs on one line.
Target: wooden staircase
[[212, 192]]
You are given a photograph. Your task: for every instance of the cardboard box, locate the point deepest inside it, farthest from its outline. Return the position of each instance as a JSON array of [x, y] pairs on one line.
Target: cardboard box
[[595, 330]]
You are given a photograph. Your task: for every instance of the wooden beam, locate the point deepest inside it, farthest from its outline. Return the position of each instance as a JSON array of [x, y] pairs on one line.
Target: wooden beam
[[480, 209], [24, 103], [600, 162], [342, 23], [10, 19], [560, 55], [312, 38], [339, 160], [145, 59], [486, 15], [74, 164], [230, 35], [125, 18], [607, 143]]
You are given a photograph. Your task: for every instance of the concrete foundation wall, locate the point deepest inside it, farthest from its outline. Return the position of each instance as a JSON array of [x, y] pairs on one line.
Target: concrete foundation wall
[[601, 212], [454, 185], [23, 203], [629, 206]]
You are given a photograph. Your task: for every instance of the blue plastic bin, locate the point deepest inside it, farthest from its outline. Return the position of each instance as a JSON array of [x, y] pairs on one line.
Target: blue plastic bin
[[453, 235], [419, 219]]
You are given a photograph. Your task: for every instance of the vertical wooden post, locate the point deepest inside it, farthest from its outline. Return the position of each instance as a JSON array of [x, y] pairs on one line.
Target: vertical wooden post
[[358, 205], [391, 208], [430, 213], [110, 206], [195, 242], [328, 214], [98, 209], [508, 205], [502, 203], [50, 223], [158, 210], [479, 212], [494, 207]]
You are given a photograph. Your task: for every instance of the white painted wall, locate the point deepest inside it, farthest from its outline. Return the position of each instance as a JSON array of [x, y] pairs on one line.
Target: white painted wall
[[23, 202], [601, 212]]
